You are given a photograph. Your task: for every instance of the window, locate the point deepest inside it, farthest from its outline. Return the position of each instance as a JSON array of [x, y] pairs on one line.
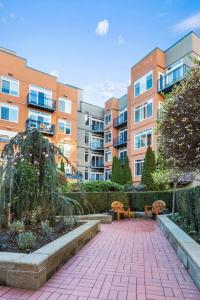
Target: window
[[66, 149], [97, 125], [97, 176], [8, 112], [9, 86], [107, 174], [86, 175], [108, 137], [108, 118], [122, 156], [65, 105], [108, 155], [39, 118], [143, 84], [142, 139], [40, 96], [97, 143], [144, 111], [87, 138], [138, 167], [64, 127], [87, 120], [5, 135], [86, 156], [97, 161]]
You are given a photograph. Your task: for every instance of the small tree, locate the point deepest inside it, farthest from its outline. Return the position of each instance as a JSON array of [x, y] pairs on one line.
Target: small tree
[[117, 171], [127, 172], [148, 169]]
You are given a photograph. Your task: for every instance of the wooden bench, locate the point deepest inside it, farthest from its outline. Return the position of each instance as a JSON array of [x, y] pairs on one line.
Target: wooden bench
[[119, 208], [156, 208]]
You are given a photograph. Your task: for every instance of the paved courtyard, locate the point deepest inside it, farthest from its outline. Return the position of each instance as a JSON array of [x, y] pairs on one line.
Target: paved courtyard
[[128, 260]]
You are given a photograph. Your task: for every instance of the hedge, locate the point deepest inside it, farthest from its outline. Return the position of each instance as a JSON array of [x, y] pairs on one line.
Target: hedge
[[188, 203], [101, 202]]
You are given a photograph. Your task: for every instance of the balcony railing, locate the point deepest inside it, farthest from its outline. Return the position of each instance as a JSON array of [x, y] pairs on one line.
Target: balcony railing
[[121, 120], [44, 127], [166, 82], [41, 102], [97, 164], [97, 146], [97, 129], [119, 141]]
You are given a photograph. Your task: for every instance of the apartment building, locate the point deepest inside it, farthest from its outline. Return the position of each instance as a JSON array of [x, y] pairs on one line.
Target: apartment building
[[151, 78], [90, 141], [115, 140], [30, 99]]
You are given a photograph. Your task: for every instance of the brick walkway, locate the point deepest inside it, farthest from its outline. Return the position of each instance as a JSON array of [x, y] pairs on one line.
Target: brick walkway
[[128, 260]]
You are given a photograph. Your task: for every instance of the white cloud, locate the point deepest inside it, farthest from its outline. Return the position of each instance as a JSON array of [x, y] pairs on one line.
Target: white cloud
[[11, 15], [102, 27], [120, 40], [100, 92], [54, 73], [190, 23]]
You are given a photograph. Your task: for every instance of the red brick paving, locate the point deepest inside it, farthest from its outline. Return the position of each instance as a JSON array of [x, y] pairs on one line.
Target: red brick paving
[[128, 260]]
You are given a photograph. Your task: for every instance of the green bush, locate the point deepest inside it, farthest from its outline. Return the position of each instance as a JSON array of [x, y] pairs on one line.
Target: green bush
[[188, 203], [26, 240], [45, 229], [16, 226], [93, 186]]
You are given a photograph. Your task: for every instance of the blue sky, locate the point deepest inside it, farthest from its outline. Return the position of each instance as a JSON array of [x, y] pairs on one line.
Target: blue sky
[[92, 44]]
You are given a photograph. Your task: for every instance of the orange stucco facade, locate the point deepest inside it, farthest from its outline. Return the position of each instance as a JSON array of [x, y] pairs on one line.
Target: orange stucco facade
[[13, 67]]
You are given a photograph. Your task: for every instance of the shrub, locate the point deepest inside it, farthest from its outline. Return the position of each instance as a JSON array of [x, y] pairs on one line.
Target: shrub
[[93, 186], [127, 172], [134, 188], [26, 240], [45, 229], [16, 226], [117, 175], [148, 169]]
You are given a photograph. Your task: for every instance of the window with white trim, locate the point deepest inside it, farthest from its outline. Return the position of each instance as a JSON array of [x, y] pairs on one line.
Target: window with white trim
[[87, 120], [122, 155], [6, 135], [108, 155], [86, 175], [97, 176], [144, 138], [143, 84], [143, 111], [64, 126], [138, 167], [9, 112], [65, 105], [87, 138], [65, 148], [108, 137], [9, 86], [40, 96], [108, 118], [86, 155], [107, 174]]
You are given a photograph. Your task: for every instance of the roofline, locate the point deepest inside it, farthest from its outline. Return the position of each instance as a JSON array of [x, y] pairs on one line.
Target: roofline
[[91, 104], [13, 53], [156, 48], [191, 32]]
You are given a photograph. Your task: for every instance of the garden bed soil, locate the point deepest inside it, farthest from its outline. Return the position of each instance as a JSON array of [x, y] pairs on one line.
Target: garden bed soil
[[8, 241]]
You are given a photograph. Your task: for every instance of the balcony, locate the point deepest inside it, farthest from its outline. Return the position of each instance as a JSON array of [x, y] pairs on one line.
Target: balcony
[[41, 102], [97, 146], [120, 141], [44, 127], [121, 120], [166, 82], [97, 177], [97, 164], [97, 129]]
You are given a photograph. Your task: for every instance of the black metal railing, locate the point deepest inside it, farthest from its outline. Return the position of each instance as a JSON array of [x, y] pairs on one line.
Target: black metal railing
[[166, 81], [97, 129], [41, 102], [97, 146], [43, 127], [119, 141], [97, 164], [121, 120]]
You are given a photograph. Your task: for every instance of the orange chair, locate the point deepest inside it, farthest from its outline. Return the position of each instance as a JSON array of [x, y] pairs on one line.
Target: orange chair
[[119, 208], [156, 208]]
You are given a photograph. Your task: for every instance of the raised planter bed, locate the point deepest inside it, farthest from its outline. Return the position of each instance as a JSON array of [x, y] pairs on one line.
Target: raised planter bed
[[31, 271], [187, 249], [103, 218]]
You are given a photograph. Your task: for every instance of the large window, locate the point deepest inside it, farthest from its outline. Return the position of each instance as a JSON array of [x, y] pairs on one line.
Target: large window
[[144, 111], [122, 155], [97, 125], [143, 139], [107, 174], [108, 156], [64, 126], [40, 96], [6, 135], [65, 105], [9, 86], [108, 137], [96, 176], [138, 167], [143, 84], [66, 149], [9, 112], [108, 118]]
